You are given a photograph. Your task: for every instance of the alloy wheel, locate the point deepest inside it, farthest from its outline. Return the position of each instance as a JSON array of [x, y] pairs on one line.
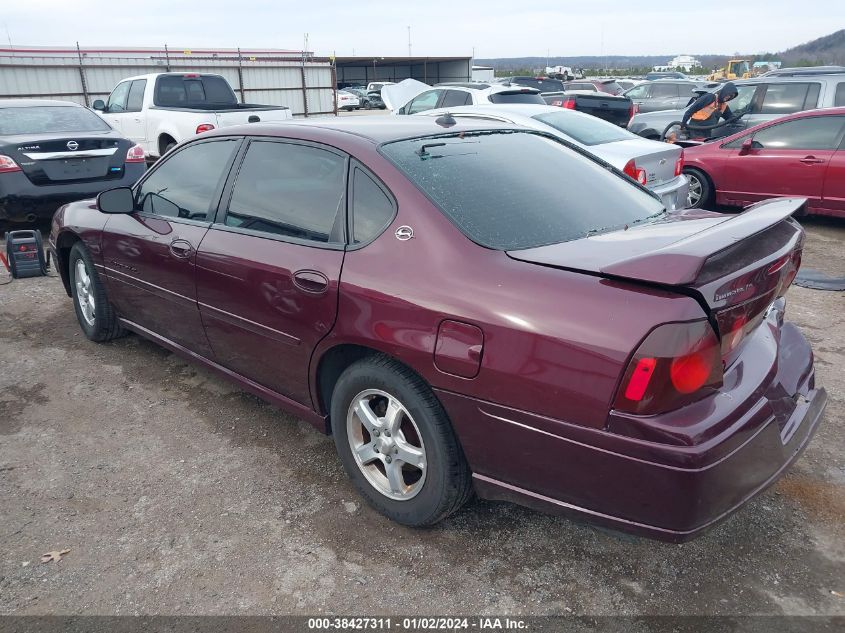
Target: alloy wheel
[[695, 190], [85, 292], [387, 444]]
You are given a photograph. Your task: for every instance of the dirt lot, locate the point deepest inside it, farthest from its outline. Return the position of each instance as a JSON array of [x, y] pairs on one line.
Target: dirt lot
[[177, 493]]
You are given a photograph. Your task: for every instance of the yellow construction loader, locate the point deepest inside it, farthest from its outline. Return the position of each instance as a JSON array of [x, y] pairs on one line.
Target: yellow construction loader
[[734, 69]]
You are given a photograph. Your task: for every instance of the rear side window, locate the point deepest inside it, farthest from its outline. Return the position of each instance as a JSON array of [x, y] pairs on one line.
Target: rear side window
[[290, 190], [839, 99], [49, 119], [184, 185], [454, 98], [787, 98], [820, 132], [508, 204], [136, 96], [517, 97], [372, 209]]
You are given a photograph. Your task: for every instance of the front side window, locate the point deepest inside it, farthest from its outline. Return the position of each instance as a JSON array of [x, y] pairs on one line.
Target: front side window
[[290, 190], [638, 92], [184, 185], [117, 98], [508, 204], [818, 133], [426, 101]]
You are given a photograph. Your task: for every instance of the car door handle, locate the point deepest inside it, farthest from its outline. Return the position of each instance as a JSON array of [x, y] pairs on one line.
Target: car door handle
[[181, 248], [311, 281], [811, 160]]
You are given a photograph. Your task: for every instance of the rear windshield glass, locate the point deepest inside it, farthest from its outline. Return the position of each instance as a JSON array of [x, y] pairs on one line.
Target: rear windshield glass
[[587, 130], [516, 97], [49, 119], [179, 90], [508, 204]]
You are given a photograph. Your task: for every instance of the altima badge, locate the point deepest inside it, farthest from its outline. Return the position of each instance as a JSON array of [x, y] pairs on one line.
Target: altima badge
[[404, 233]]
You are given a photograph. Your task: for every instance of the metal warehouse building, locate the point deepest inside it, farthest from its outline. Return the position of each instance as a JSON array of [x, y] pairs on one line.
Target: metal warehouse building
[[296, 79]]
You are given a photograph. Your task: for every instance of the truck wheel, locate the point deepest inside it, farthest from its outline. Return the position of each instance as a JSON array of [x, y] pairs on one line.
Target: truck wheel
[[397, 444], [95, 314], [168, 147]]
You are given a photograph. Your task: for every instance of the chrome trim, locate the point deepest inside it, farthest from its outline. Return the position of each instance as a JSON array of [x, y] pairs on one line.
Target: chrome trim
[[86, 153]]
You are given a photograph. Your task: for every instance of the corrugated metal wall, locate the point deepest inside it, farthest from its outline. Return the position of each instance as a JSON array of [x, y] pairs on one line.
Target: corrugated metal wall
[[288, 82]]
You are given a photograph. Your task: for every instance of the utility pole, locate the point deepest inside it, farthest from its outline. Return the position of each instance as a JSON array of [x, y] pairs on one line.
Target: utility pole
[[409, 41]]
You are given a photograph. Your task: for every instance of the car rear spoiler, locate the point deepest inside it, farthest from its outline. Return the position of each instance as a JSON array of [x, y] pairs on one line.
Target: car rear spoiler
[[680, 263]]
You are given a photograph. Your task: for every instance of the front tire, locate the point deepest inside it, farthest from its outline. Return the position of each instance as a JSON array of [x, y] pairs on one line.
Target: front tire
[[396, 443], [95, 314], [700, 189]]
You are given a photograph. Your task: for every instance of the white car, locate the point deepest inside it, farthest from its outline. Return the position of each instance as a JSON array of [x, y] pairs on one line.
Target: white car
[[378, 85], [347, 101], [655, 165], [160, 110], [412, 97]]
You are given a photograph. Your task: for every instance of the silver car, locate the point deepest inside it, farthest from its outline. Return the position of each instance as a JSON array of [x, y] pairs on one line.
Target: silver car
[[653, 164], [766, 99]]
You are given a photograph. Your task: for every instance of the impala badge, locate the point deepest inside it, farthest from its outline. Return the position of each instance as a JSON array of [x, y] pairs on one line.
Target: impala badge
[[404, 233]]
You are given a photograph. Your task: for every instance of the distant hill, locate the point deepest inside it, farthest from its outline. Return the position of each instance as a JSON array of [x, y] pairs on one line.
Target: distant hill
[[829, 49]]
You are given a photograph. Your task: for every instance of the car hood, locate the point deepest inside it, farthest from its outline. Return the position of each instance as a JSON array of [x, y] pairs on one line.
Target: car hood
[[397, 95]]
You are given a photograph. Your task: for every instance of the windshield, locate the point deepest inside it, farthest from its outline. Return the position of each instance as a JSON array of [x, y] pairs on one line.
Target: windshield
[[49, 119], [508, 204], [587, 130]]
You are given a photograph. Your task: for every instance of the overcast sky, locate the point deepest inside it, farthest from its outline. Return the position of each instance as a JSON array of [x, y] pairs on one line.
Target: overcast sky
[[495, 28]]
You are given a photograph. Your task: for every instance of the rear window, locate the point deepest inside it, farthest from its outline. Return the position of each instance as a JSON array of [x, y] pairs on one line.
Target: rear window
[[587, 130], [505, 204], [180, 90], [516, 97], [49, 119]]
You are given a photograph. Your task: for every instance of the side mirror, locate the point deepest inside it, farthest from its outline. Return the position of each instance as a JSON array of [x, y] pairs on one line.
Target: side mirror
[[747, 146], [99, 104], [120, 200]]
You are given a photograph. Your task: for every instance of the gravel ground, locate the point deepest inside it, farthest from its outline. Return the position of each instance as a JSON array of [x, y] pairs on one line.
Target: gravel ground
[[176, 493]]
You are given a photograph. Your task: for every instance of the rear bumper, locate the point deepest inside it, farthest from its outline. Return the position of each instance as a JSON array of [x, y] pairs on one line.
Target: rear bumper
[[20, 199], [667, 492], [673, 193]]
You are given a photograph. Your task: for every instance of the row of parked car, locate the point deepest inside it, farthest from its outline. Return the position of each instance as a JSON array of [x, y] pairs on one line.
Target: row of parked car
[[498, 296]]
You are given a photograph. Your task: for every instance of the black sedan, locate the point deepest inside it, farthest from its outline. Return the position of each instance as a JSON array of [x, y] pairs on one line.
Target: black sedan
[[369, 100], [54, 152]]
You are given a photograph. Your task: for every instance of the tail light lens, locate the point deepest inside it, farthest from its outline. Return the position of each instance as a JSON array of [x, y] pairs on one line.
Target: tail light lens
[[634, 172], [678, 363], [679, 164], [204, 127], [568, 103], [135, 154], [8, 165]]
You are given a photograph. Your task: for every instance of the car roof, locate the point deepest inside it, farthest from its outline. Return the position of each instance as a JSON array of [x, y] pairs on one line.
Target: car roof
[[374, 129], [30, 103]]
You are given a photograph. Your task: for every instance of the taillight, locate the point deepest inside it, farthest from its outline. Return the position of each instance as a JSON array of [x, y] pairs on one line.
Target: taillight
[[568, 103], [679, 164], [635, 108], [204, 127], [135, 154], [631, 170], [8, 165], [678, 363]]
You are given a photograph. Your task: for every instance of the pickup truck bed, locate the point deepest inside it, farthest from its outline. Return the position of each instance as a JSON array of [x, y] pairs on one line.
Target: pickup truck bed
[[615, 109]]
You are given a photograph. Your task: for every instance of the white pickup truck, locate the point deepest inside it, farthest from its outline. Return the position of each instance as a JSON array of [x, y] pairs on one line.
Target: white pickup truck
[[158, 111]]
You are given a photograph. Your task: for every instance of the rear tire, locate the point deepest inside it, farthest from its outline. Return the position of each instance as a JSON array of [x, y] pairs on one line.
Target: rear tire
[[700, 189], [381, 411], [95, 314]]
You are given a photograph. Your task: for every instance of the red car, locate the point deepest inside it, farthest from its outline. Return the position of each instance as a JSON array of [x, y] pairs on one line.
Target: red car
[[801, 154], [539, 330]]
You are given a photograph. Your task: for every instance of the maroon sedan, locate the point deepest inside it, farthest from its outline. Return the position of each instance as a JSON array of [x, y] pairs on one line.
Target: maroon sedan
[[538, 330], [798, 155]]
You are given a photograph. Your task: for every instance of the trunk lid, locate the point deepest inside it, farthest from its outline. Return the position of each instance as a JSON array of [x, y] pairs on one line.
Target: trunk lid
[[52, 159], [658, 159], [604, 106], [734, 265]]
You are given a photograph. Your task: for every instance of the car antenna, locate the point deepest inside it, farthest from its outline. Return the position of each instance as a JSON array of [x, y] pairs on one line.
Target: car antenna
[[445, 120]]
